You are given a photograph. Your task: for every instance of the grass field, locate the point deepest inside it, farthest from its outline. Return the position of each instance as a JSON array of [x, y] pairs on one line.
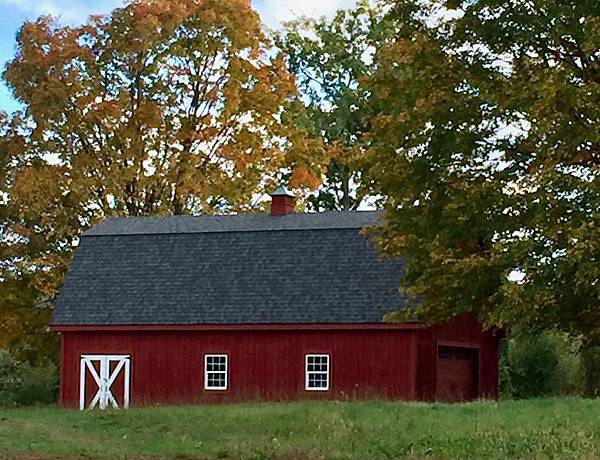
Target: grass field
[[547, 428]]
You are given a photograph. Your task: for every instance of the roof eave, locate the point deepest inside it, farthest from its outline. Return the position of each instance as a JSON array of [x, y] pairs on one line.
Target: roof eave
[[233, 327]]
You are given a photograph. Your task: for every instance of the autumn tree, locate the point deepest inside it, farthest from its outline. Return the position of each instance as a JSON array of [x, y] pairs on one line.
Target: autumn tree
[[163, 107], [328, 58], [486, 144]]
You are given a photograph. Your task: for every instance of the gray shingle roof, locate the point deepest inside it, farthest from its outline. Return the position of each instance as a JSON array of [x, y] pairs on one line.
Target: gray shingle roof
[[246, 269], [235, 223]]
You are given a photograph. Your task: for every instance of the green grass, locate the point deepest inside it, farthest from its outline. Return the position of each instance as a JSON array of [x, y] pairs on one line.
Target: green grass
[[545, 428]]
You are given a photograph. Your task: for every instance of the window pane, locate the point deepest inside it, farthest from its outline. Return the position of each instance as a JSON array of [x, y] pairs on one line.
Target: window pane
[[463, 354], [317, 380], [445, 353], [216, 379]]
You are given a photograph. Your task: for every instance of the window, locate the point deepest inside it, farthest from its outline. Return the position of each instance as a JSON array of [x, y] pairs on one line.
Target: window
[[445, 353], [452, 353], [215, 372], [317, 372]]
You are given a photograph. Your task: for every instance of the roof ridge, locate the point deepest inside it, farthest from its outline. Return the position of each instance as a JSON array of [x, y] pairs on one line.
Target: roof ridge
[[227, 223]]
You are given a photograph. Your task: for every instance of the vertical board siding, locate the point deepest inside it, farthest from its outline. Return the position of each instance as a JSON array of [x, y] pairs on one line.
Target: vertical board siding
[[168, 366]]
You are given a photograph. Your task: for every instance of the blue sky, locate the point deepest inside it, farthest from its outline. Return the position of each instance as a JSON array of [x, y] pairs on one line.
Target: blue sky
[[14, 12]]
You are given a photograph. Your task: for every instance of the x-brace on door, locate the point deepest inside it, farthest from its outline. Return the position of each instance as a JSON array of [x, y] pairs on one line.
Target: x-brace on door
[[109, 377]]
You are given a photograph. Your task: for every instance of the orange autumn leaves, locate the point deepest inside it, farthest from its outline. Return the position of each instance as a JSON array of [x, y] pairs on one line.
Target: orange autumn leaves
[[160, 108]]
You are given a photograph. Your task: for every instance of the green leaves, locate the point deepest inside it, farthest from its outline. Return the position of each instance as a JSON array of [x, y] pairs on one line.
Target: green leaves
[[329, 57], [477, 124], [485, 142], [163, 107]]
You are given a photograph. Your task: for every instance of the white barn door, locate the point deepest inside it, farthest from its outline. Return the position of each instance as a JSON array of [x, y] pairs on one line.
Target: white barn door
[[104, 380]]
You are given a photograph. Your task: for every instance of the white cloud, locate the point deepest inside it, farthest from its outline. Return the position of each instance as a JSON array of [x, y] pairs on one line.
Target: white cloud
[[274, 12], [67, 11]]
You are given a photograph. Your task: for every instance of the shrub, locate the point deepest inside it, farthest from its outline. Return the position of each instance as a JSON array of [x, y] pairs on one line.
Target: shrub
[[507, 390], [540, 365], [21, 384], [9, 379], [590, 363]]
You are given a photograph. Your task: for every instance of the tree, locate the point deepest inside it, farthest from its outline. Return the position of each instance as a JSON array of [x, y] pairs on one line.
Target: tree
[[163, 107], [486, 145], [329, 57]]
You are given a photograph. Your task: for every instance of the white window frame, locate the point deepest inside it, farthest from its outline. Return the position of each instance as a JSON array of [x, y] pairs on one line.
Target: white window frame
[[207, 372], [307, 373]]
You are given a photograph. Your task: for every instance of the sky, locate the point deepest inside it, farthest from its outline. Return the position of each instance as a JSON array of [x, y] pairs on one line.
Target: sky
[[14, 12]]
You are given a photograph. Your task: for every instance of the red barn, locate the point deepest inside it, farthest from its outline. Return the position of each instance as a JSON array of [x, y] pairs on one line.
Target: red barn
[[253, 307]]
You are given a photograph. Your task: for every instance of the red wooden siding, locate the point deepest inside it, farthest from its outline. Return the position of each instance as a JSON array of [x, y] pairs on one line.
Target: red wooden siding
[[464, 332], [168, 366]]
